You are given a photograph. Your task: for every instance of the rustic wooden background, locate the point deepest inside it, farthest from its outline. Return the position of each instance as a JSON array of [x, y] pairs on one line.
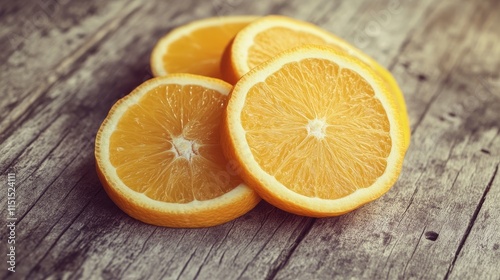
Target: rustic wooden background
[[65, 62]]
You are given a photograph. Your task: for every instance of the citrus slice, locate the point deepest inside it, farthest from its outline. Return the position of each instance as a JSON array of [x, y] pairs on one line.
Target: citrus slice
[[268, 36], [196, 47], [159, 157], [314, 132]]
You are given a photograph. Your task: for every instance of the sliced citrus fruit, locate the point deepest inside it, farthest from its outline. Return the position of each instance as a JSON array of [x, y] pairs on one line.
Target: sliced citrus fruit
[[314, 132], [159, 157], [268, 36], [196, 47]]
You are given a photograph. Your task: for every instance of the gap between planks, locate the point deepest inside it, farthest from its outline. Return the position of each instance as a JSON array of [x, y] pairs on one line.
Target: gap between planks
[[471, 222]]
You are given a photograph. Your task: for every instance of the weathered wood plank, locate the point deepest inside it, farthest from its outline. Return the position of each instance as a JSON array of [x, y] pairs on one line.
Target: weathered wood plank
[[70, 229], [85, 226], [445, 173], [27, 84], [480, 252], [380, 29], [42, 41], [60, 187], [157, 253], [48, 154]]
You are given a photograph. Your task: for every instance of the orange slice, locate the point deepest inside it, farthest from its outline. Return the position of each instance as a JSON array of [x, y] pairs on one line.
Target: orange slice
[[159, 157], [268, 36], [196, 47], [314, 132]]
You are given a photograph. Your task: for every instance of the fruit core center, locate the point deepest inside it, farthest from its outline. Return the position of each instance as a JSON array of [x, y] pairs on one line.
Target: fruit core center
[[316, 128], [183, 148]]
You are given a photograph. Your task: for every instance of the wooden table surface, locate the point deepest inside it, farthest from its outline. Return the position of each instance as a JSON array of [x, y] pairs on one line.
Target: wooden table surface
[[65, 62]]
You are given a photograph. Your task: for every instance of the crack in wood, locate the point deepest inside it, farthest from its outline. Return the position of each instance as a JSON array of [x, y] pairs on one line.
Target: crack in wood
[[426, 109], [414, 250], [456, 177], [411, 201], [66, 133], [77, 182], [227, 234], [185, 265], [303, 233], [143, 246], [43, 129], [204, 261], [266, 217], [471, 223], [54, 243], [46, 188], [260, 249]]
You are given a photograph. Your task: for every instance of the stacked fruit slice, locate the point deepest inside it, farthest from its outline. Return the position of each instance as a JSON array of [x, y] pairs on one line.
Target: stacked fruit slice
[[312, 125], [196, 47]]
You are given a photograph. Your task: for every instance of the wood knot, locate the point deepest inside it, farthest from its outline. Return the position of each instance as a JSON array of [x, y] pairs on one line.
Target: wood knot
[[484, 151], [431, 235], [422, 77]]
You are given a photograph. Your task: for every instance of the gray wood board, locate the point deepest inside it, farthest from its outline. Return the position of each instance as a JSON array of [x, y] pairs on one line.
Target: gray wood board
[[60, 78]]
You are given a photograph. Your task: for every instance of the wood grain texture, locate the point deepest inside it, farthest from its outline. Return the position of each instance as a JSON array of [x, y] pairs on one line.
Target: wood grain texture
[[47, 43], [480, 252], [445, 174], [439, 221]]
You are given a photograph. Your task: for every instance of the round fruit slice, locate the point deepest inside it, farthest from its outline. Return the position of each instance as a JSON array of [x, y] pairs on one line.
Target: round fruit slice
[[268, 36], [159, 157], [196, 47], [314, 132]]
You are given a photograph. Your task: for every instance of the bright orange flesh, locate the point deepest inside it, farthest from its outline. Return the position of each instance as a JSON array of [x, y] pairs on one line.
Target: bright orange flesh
[[198, 47], [314, 132], [190, 122], [159, 156], [266, 46], [302, 131], [267, 37], [200, 52]]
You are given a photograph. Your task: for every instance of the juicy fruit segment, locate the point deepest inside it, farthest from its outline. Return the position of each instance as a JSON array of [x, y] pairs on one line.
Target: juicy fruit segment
[[197, 47], [265, 38], [159, 157], [182, 160], [265, 46], [268, 36], [315, 132], [399, 97], [336, 126]]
